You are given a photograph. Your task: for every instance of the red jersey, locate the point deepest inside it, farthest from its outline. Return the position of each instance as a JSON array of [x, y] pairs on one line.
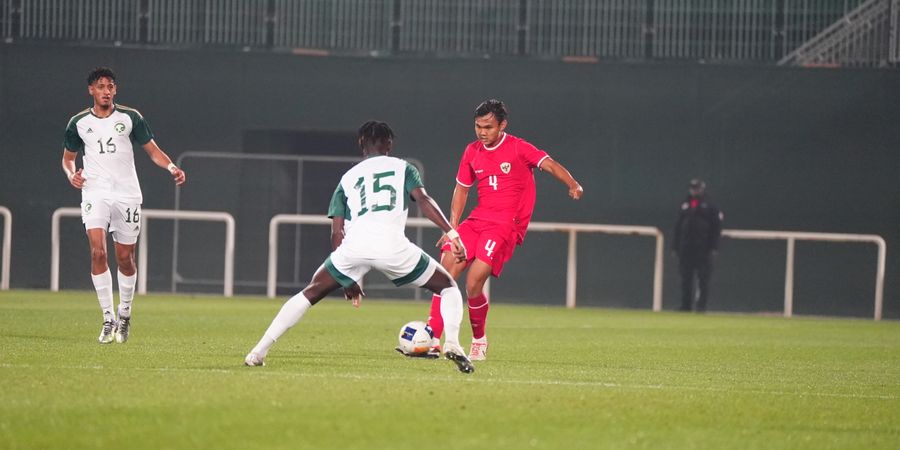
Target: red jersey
[[503, 173]]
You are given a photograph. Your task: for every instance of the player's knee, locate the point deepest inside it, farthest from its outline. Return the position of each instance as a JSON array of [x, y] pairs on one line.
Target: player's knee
[[474, 290], [98, 255], [314, 292]]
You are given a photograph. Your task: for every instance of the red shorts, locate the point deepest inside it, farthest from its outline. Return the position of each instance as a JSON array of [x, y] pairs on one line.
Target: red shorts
[[490, 242]]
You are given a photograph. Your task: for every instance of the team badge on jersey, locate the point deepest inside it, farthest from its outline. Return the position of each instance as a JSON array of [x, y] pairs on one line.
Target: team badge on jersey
[[87, 207], [505, 167], [120, 127]]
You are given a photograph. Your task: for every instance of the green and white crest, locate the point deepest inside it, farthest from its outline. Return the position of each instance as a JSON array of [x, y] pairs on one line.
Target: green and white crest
[[120, 127]]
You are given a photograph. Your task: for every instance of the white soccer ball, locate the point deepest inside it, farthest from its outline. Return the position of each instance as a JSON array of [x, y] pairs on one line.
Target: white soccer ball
[[415, 337]]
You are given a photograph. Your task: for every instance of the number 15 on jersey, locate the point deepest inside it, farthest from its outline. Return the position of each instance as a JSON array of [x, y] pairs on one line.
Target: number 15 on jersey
[[381, 184]]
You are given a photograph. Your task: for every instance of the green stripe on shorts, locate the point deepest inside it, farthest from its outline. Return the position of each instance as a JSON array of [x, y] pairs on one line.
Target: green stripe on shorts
[[416, 273], [342, 279]]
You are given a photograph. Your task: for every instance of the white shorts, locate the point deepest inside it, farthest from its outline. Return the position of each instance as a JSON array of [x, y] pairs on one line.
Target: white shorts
[[121, 219], [408, 265]]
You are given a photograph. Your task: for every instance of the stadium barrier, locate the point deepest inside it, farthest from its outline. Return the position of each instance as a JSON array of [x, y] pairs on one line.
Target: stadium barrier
[[571, 263], [792, 236], [146, 215], [7, 248], [573, 30]]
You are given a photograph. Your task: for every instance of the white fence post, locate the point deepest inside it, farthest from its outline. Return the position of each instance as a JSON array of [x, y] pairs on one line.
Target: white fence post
[[571, 269], [789, 279], [7, 248]]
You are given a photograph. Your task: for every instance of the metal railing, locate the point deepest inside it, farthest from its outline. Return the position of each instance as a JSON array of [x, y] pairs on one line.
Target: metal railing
[[214, 22], [7, 248], [861, 36], [708, 30], [5, 19], [88, 20], [459, 27], [146, 215], [609, 28], [792, 236], [333, 24], [715, 30], [894, 50], [572, 229]]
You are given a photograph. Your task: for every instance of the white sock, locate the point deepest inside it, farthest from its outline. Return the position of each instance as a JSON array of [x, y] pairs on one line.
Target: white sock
[[290, 314], [126, 293], [103, 286], [452, 312]]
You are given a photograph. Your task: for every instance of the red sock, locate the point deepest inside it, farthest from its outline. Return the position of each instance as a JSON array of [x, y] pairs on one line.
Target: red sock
[[478, 310], [435, 321]]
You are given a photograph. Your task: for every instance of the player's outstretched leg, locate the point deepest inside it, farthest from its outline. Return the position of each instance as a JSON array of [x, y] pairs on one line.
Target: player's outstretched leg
[[451, 310], [287, 317]]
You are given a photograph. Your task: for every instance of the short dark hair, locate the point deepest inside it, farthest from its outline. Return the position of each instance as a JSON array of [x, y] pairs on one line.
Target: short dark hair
[[375, 134], [100, 72], [492, 106]]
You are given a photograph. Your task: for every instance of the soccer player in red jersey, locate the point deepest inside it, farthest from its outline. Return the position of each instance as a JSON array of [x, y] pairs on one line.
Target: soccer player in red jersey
[[501, 166]]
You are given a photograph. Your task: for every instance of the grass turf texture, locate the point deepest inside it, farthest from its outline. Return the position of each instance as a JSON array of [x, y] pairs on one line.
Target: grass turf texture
[[555, 378]]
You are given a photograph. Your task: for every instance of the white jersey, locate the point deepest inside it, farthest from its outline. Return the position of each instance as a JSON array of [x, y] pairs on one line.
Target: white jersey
[[374, 198], [107, 144]]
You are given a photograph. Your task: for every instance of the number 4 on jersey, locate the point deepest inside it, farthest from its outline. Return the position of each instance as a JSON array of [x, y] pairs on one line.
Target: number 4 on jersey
[[492, 181]]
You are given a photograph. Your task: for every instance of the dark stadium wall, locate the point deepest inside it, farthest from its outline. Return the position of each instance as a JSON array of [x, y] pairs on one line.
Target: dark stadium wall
[[781, 149]]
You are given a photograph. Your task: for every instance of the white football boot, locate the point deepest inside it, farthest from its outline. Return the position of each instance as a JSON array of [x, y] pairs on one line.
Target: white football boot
[[454, 353], [478, 350], [123, 327], [254, 360], [107, 332]]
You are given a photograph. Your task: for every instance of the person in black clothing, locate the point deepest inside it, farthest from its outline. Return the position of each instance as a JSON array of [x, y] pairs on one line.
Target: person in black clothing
[[696, 243]]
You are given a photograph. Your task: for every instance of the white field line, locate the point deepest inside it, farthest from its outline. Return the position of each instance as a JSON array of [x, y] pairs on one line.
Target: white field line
[[466, 378]]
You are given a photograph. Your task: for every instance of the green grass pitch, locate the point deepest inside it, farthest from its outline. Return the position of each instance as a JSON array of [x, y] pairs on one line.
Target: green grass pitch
[[555, 378]]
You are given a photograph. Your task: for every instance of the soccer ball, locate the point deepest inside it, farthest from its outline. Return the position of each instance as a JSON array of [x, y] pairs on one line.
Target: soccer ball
[[415, 337]]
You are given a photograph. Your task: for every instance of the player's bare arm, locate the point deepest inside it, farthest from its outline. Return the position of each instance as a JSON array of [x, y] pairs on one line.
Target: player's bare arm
[[433, 212], [76, 179], [457, 205], [337, 232], [560, 173], [161, 159]]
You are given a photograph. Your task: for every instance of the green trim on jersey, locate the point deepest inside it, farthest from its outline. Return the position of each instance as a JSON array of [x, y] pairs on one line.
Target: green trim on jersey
[[72, 141], [140, 129], [416, 273], [412, 180], [338, 206], [342, 279]]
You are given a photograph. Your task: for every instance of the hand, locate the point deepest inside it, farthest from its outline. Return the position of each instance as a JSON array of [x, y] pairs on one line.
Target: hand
[[576, 192], [178, 175], [354, 294], [77, 179], [440, 242], [459, 250]]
